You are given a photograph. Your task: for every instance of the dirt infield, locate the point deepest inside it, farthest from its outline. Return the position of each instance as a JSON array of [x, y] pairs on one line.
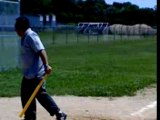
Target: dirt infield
[[143, 106]]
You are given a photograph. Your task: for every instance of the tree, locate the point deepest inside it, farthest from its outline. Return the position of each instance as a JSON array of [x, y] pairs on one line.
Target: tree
[[35, 6], [73, 11]]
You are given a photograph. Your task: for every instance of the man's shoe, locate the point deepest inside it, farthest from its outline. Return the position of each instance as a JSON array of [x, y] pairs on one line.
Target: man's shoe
[[61, 116]]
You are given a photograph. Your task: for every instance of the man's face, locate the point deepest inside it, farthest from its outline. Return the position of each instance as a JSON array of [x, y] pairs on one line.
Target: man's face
[[20, 33]]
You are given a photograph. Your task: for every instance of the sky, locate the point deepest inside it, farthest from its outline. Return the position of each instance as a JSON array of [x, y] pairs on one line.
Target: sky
[[140, 3]]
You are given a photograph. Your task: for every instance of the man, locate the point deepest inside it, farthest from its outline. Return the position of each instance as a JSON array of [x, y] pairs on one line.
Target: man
[[34, 66]]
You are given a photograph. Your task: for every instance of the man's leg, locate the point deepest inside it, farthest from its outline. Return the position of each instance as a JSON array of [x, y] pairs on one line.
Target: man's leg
[[49, 104], [27, 89]]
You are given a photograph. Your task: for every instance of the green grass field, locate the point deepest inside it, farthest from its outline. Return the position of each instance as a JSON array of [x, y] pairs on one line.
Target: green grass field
[[114, 68]]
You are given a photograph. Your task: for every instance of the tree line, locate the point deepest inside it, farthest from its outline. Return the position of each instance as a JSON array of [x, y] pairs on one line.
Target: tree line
[[74, 11]]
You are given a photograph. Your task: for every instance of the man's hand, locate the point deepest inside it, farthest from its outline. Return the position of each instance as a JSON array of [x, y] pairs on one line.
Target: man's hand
[[48, 69]]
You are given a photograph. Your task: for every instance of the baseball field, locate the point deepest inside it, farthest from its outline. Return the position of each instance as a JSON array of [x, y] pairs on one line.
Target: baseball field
[[93, 81]]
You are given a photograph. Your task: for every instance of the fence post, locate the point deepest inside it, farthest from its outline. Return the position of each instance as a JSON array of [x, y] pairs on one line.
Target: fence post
[[66, 36], [97, 37], [53, 36], [3, 50], [121, 32], [88, 37], [114, 37], [77, 37]]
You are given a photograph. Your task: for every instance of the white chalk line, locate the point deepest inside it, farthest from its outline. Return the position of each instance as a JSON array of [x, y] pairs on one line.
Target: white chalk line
[[147, 107]]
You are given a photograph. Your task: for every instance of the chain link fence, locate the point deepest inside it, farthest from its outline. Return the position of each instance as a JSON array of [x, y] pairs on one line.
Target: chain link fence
[[67, 34], [58, 35]]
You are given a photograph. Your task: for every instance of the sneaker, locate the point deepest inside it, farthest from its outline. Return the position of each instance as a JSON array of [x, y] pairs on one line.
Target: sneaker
[[61, 116]]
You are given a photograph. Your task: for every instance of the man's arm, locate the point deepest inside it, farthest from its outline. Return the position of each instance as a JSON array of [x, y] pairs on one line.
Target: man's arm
[[44, 58]]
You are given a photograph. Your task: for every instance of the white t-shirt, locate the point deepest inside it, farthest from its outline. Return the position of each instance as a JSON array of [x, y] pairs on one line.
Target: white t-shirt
[[32, 65]]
